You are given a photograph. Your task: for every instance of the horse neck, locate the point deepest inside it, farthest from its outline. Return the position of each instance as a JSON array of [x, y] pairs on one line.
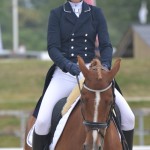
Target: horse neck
[[74, 132], [112, 138]]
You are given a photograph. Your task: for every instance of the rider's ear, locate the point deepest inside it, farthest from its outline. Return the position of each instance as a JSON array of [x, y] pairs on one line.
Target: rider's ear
[[82, 66], [114, 70]]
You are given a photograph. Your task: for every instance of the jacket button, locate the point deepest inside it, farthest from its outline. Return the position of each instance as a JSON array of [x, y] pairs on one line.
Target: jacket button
[[72, 40], [86, 34], [72, 47], [85, 54], [85, 40], [72, 54], [85, 48], [72, 34]]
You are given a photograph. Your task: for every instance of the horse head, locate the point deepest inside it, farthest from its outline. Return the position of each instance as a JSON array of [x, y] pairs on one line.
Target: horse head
[[97, 100]]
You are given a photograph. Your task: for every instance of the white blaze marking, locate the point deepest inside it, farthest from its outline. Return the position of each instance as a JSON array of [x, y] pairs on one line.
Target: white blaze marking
[[94, 137], [95, 118]]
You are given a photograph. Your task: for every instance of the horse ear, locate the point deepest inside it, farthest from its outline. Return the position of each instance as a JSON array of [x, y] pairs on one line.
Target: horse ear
[[114, 69], [82, 66]]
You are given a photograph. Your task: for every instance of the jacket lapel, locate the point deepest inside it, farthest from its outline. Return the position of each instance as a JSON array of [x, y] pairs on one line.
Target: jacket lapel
[[69, 14], [84, 16]]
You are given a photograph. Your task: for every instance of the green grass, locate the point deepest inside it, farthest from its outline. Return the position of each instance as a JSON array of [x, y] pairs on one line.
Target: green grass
[[9, 141], [133, 77], [139, 104], [22, 80], [16, 105], [6, 121], [21, 84]]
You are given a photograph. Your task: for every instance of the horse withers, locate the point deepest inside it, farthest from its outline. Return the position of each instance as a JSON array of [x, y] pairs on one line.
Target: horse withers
[[90, 125]]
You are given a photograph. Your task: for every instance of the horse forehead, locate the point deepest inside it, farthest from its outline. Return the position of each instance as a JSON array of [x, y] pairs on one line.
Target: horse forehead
[[93, 74], [96, 84]]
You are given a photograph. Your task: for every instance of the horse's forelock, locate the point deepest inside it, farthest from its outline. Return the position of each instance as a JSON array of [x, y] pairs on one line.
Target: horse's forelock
[[96, 66]]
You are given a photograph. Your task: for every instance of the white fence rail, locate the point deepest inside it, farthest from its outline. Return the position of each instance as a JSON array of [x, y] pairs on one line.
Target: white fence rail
[[141, 148], [140, 131], [21, 115], [11, 148], [135, 148], [139, 113]]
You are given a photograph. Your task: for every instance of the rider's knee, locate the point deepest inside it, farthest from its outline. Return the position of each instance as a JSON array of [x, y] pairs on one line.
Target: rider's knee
[[129, 122], [132, 120], [41, 127]]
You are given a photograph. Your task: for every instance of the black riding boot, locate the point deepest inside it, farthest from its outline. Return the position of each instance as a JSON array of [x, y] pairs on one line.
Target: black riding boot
[[39, 141], [129, 138]]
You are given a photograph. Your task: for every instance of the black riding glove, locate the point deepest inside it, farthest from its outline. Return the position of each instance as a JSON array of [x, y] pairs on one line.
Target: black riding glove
[[72, 68]]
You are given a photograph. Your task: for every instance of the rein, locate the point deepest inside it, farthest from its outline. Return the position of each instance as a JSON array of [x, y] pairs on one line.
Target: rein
[[100, 125], [97, 125], [103, 125]]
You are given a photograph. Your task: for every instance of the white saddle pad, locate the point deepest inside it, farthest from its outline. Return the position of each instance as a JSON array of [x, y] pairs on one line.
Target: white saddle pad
[[30, 136]]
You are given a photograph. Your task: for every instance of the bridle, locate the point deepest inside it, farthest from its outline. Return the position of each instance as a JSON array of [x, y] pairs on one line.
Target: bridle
[[98, 125]]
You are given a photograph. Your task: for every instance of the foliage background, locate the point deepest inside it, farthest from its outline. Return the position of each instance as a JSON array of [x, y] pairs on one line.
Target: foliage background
[[33, 19]]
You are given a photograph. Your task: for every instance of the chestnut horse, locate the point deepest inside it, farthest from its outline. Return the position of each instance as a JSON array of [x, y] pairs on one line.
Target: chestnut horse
[[90, 125]]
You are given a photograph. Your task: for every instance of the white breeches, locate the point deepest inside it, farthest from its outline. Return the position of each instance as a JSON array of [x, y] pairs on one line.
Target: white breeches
[[61, 86]]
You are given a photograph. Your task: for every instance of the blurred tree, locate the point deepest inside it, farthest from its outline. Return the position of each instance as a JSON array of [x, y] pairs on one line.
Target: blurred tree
[[33, 19], [6, 23], [120, 15]]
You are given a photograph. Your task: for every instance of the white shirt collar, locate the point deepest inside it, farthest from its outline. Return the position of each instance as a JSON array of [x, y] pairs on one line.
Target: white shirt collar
[[76, 7]]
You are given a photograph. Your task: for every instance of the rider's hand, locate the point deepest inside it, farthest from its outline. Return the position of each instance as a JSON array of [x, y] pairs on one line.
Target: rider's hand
[[72, 68]]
